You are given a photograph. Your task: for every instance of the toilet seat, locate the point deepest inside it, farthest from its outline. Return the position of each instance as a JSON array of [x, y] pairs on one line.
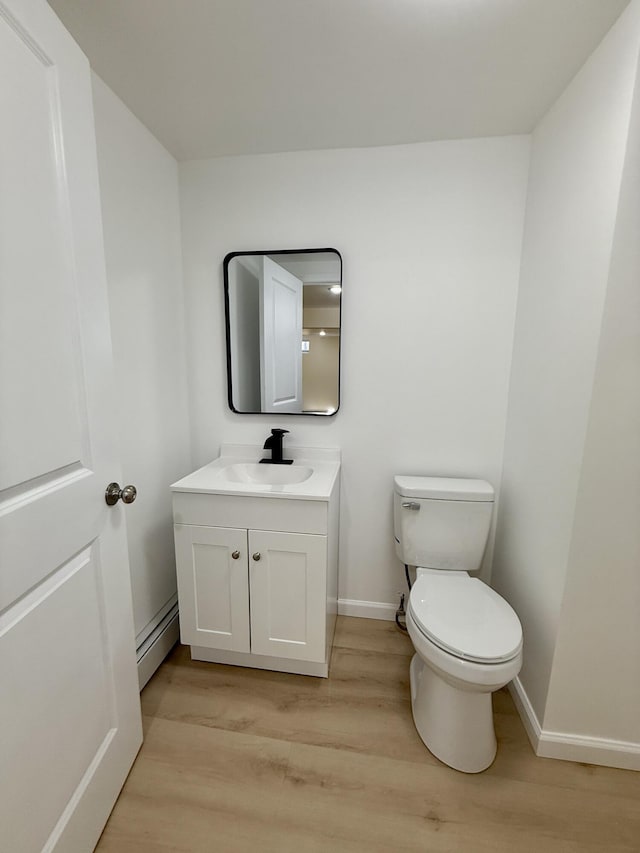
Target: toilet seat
[[464, 617]]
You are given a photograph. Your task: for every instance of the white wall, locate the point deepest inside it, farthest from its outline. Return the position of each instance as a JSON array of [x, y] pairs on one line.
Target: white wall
[[244, 323], [577, 159], [140, 208], [430, 236], [595, 684]]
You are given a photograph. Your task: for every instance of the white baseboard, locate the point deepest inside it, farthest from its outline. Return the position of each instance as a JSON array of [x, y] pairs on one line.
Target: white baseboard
[[570, 747], [299, 667], [367, 609], [527, 714], [158, 646], [590, 750]]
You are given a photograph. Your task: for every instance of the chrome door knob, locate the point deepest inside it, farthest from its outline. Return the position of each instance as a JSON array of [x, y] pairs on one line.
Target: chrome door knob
[[113, 494], [256, 556], [235, 555]]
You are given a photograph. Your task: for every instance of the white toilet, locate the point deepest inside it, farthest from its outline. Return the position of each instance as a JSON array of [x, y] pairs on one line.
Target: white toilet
[[468, 640]]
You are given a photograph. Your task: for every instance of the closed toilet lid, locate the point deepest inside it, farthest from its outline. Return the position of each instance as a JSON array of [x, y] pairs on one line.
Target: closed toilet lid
[[465, 617]]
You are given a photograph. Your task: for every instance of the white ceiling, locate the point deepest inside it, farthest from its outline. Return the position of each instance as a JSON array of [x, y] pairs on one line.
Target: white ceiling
[[215, 77]]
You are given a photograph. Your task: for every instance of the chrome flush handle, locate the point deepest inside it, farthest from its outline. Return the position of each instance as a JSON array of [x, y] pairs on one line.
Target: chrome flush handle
[[411, 505]]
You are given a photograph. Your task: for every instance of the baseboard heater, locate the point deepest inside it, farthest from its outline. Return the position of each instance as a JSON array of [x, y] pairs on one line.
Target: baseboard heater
[[157, 644]]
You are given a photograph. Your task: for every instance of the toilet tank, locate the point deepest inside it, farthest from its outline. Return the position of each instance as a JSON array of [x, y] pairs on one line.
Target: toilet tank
[[442, 522]]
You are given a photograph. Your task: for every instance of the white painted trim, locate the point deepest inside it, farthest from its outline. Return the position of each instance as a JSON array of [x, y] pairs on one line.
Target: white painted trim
[[367, 609], [571, 747], [298, 667], [525, 710], [328, 278], [159, 647], [590, 750]]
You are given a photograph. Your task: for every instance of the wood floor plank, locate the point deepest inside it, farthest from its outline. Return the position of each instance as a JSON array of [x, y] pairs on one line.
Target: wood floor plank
[[237, 760], [357, 634], [400, 805], [516, 760], [193, 786], [363, 707]]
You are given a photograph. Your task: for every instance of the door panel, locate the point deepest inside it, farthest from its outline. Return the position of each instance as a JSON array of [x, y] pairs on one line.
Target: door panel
[[70, 715], [33, 239], [280, 338], [30, 518], [288, 589], [48, 729], [213, 587]]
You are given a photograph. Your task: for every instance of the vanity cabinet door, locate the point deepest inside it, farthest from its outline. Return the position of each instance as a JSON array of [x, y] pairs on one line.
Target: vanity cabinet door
[[288, 573], [213, 586]]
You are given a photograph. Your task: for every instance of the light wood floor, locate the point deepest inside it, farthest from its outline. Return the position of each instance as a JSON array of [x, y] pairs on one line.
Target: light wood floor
[[245, 760]]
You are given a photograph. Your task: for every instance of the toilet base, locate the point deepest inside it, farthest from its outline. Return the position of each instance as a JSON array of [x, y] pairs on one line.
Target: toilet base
[[456, 725]]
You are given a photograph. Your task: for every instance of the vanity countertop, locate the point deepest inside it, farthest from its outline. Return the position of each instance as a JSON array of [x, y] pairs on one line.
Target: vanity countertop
[[219, 477]]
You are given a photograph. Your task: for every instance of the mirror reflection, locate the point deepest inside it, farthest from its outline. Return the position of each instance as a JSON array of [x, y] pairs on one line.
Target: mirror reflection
[[283, 331]]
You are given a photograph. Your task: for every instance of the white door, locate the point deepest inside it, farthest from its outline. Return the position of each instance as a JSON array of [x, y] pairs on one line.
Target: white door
[[280, 338], [213, 586], [288, 583], [69, 708]]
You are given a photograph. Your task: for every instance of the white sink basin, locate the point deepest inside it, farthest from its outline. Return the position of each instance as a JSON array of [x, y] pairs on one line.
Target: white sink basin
[[237, 472], [268, 475]]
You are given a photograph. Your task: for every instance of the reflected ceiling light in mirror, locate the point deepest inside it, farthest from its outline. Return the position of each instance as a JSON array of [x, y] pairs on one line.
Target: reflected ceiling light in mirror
[[335, 288], [322, 333]]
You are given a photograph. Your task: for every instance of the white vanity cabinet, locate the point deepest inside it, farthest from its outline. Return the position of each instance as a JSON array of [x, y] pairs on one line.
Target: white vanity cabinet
[[213, 587], [288, 593], [257, 575]]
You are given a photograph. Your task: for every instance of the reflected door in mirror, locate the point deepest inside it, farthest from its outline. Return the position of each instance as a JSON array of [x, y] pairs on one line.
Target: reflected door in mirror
[[280, 305]]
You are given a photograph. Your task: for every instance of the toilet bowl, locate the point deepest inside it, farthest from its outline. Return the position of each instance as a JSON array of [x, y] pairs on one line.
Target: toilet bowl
[[467, 638], [468, 643]]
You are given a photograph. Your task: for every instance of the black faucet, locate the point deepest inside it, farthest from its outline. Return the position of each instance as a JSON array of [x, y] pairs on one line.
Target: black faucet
[[274, 444]]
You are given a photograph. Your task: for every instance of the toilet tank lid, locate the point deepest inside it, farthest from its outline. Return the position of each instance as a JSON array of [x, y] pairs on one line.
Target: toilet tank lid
[[443, 488]]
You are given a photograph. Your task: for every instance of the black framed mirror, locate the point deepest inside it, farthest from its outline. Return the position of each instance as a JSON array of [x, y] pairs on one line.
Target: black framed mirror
[[283, 324]]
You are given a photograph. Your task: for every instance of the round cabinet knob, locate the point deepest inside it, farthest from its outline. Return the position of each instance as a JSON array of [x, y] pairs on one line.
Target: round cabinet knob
[[236, 555], [114, 493], [256, 556]]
